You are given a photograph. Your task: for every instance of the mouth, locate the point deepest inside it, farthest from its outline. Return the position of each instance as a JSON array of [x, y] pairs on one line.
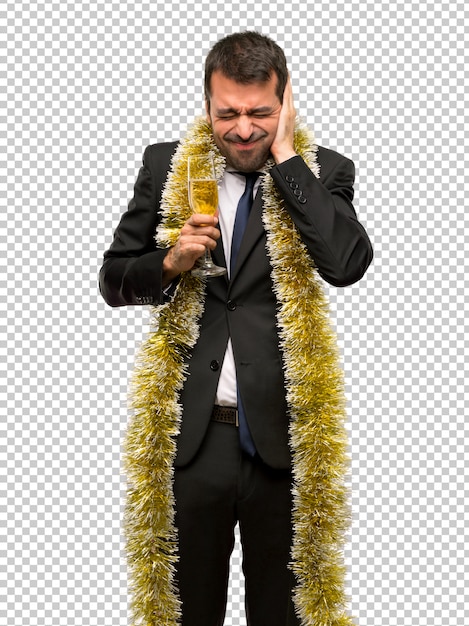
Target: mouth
[[245, 147]]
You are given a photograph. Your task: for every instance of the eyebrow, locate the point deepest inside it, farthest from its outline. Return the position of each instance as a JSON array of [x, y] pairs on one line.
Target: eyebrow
[[229, 110]]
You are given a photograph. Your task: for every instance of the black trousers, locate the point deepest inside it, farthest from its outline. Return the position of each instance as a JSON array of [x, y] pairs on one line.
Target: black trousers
[[221, 487]]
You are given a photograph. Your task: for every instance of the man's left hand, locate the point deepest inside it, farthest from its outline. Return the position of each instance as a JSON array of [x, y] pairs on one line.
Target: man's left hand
[[282, 146]]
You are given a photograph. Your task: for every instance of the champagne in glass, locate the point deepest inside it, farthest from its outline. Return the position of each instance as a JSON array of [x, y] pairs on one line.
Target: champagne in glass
[[203, 198]]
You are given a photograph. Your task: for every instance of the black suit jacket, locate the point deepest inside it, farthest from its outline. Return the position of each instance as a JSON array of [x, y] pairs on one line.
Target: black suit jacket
[[245, 307]]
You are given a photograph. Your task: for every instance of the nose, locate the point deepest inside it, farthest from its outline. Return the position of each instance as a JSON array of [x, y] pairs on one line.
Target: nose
[[244, 127]]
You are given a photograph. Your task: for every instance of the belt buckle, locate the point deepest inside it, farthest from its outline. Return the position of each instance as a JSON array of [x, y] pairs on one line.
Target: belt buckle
[[237, 418]]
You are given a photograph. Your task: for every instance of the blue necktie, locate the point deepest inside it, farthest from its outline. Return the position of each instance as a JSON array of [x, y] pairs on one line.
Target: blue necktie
[[242, 215]]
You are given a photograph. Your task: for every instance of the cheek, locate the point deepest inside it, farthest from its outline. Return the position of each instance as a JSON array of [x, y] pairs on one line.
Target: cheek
[[273, 127], [220, 129], [269, 127]]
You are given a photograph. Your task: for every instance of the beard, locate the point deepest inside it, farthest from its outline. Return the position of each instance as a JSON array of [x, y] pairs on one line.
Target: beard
[[247, 159]]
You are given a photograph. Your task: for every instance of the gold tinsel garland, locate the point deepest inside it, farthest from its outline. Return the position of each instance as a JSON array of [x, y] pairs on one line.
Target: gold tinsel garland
[[314, 393]]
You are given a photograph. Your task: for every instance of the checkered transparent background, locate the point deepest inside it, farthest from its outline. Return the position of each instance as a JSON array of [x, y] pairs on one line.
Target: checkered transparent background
[[84, 88]]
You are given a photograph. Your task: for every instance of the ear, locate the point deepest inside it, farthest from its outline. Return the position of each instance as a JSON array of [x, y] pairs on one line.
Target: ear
[[207, 110]]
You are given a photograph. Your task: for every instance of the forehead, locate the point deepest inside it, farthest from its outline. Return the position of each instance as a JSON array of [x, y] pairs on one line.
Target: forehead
[[226, 93]]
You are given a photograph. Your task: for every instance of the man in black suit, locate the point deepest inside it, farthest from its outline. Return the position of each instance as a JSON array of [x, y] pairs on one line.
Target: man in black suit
[[235, 371]]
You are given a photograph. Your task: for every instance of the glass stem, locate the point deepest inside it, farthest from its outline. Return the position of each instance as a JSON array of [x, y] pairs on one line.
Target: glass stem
[[208, 258]]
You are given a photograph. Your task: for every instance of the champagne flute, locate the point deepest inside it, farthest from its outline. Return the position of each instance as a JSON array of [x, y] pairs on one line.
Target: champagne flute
[[203, 198]]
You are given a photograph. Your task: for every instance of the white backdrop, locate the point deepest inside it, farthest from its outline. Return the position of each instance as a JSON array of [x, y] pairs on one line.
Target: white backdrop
[[84, 88]]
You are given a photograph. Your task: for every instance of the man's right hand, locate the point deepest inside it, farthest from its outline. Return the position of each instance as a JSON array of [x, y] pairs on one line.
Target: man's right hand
[[197, 234]]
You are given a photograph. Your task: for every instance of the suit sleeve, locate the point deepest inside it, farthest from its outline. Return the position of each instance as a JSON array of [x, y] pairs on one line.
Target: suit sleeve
[[132, 268], [324, 215]]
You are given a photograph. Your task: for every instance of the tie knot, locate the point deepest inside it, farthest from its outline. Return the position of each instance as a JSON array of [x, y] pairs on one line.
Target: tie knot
[[250, 177]]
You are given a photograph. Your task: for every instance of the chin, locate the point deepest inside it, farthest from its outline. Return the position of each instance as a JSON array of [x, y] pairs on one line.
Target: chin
[[247, 163]]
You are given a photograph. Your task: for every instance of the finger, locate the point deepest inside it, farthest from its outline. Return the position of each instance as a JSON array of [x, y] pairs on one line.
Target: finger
[[287, 92], [193, 232], [291, 103], [183, 255], [200, 219]]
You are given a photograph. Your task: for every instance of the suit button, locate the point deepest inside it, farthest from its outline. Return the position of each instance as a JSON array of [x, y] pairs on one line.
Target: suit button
[[298, 192], [294, 185], [289, 179], [302, 200], [215, 365], [230, 305]]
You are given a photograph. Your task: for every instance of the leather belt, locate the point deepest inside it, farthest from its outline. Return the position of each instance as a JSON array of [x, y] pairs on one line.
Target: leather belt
[[225, 415]]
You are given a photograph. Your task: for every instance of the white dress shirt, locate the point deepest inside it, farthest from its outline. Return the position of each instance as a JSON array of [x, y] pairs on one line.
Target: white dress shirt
[[230, 190]]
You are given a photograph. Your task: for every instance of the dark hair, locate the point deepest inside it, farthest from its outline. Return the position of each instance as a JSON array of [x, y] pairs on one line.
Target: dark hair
[[247, 57]]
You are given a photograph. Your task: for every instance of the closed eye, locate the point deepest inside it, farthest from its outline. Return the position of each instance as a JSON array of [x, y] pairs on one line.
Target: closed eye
[[256, 113]]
